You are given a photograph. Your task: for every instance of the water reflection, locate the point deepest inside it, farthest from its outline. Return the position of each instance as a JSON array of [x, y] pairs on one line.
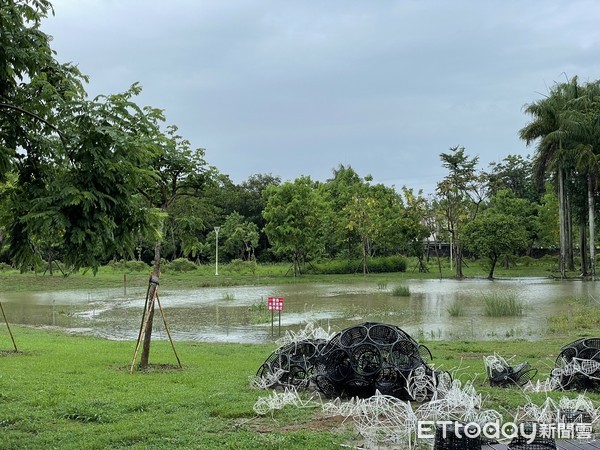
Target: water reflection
[[238, 314]]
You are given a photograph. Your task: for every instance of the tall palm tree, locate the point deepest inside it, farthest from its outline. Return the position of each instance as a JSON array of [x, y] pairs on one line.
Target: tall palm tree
[[549, 127], [586, 131]]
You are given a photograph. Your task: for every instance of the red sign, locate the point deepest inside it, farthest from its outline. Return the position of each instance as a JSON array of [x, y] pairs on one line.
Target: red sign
[[275, 303]]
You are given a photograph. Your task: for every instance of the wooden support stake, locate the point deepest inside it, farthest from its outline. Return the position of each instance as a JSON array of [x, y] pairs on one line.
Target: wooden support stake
[[12, 338], [145, 319], [162, 313]]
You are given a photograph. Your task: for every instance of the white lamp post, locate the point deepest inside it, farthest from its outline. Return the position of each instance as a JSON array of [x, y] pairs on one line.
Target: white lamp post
[[217, 251]]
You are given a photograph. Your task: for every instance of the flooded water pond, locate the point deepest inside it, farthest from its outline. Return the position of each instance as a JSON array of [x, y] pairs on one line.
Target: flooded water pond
[[239, 313]]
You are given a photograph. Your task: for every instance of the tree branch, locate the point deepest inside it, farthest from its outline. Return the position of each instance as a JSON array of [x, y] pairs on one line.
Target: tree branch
[[35, 116]]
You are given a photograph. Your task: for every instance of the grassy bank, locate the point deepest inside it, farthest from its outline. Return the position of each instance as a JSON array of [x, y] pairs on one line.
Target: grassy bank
[[231, 275], [66, 391]]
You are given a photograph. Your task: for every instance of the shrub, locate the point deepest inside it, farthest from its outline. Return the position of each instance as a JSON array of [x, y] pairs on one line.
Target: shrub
[[181, 265], [128, 266], [381, 264], [526, 261], [385, 264], [5, 267], [137, 266], [242, 267]]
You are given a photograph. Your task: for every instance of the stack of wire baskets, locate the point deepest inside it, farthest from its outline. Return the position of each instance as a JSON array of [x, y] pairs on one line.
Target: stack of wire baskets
[[355, 362]]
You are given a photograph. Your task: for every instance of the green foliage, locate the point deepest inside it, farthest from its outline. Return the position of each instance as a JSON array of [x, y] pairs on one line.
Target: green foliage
[[242, 267], [401, 291], [577, 317], [506, 304], [5, 267], [384, 264], [260, 312], [526, 261], [228, 296], [494, 234], [238, 237], [459, 195], [294, 214], [129, 266], [456, 309], [181, 265]]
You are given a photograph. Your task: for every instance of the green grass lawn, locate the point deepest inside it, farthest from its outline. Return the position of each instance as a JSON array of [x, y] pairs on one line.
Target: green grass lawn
[[66, 391]]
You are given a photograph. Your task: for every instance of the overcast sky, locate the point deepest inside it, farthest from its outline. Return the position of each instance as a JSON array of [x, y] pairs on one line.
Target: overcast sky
[[298, 87]]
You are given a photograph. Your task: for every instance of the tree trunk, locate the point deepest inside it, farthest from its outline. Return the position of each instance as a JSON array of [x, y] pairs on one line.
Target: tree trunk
[[50, 264], [592, 225], [459, 260], [458, 253], [296, 265], [561, 219], [154, 281], [569, 226], [492, 267], [364, 255], [583, 249]]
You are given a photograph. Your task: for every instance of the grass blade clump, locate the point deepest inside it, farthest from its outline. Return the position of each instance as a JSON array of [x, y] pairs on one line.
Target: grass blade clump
[[503, 304], [401, 291], [456, 309]]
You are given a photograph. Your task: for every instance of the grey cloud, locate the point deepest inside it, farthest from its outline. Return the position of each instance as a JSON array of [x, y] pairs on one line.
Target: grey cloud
[[298, 87]]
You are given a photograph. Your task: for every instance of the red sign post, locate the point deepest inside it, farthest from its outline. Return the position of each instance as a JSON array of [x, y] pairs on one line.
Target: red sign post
[[275, 304]]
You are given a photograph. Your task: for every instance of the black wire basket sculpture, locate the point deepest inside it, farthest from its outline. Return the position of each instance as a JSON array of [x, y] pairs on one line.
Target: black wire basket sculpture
[[456, 437], [518, 375], [356, 362], [292, 364], [527, 442], [578, 365]]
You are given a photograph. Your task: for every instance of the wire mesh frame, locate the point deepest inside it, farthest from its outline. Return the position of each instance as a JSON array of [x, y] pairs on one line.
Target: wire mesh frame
[[523, 440], [353, 336], [294, 362], [577, 365], [455, 437], [356, 361]]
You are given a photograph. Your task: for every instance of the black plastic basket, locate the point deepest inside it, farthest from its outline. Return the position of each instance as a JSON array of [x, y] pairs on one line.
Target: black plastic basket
[[454, 437]]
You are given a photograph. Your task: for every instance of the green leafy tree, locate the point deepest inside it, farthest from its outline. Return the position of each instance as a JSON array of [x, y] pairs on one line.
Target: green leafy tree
[[525, 212], [240, 237], [492, 235], [459, 196], [179, 171], [514, 173], [77, 163], [339, 191], [415, 226], [362, 217], [548, 221], [251, 203], [294, 215]]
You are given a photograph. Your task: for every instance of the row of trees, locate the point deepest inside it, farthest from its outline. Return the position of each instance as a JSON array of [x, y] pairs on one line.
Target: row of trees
[[565, 126], [85, 181]]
